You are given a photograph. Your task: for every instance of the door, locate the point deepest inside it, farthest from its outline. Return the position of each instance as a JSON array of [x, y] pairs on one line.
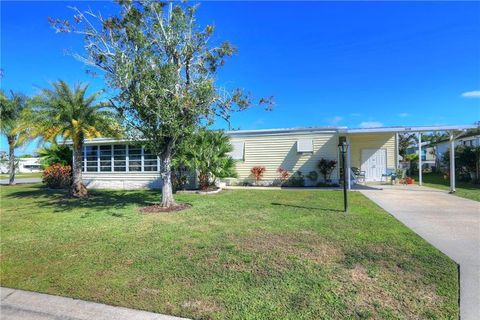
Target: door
[[374, 163]]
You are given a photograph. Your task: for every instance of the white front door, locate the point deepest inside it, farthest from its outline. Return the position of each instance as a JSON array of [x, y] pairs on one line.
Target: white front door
[[374, 163]]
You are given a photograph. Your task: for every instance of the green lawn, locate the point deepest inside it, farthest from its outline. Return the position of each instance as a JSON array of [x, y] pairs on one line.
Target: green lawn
[[244, 254], [463, 189], [23, 175]]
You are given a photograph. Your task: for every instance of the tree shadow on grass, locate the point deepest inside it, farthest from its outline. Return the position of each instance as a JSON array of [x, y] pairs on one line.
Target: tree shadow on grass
[[305, 207], [60, 201]]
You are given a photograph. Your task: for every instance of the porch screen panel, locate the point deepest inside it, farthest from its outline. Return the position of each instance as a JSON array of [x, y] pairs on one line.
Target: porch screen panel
[[91, 154], [119, 158], [134, 158], [106, 158], [149, 161]]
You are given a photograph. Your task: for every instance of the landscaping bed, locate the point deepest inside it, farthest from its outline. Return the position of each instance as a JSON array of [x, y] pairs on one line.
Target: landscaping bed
[[238, 254]]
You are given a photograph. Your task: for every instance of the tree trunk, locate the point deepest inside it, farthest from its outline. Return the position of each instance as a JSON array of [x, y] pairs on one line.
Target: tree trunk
[[166, 174], [77, 189], [11, 159]]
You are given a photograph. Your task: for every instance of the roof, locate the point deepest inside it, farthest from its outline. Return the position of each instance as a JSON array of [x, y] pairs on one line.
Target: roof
[[344, 130]]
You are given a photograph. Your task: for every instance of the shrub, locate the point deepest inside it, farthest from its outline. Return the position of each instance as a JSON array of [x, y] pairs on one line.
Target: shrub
[[327, 185], [209, 156], [282, 174], [57, 176], [326, 167], [296, 180], [257, 173], [312, 176]]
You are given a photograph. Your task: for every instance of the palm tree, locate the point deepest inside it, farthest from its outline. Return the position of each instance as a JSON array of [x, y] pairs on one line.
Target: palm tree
[[12, 114], [55, 153], [207, 152], [61, 112]]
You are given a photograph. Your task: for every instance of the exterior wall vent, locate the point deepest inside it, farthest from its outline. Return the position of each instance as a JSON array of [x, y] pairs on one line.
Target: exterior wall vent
[[305, 146], [238, 151]]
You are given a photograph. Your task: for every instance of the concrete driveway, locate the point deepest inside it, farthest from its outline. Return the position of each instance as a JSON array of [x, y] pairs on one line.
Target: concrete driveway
[[450, 223]]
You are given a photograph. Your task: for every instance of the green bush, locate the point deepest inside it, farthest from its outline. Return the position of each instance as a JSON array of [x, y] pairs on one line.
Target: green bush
[[295, 180], [57, 176]]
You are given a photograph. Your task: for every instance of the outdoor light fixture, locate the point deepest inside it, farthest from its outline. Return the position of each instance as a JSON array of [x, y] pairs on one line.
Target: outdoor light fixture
[[343, 147]]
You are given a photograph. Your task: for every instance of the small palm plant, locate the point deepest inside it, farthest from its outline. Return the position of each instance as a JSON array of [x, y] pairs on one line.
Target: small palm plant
[[12, 114], [207, 152], [61, 112]]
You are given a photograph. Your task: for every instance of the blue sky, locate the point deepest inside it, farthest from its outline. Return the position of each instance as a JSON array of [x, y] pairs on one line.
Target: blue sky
[[326, 63]]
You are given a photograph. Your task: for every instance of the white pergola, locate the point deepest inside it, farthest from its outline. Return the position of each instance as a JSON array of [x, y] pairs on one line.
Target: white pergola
[[454, 133]]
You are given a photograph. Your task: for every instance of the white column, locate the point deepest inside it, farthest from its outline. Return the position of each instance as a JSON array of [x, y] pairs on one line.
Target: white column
[[420, 158], [84, 169], [397, 156], [452, 163], [349, 177]]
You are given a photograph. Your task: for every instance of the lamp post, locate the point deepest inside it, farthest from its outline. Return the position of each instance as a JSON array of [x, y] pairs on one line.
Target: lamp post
[[343, 147]]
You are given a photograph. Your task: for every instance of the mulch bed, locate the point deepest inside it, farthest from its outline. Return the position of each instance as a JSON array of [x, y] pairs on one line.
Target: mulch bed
[[156, 208]]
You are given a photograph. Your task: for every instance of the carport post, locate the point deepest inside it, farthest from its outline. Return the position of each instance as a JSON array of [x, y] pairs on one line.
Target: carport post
[[420, 158], [452, 162]]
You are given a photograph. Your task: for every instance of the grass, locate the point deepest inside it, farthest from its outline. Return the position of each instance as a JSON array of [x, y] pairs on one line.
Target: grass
[[463, 189], [243, 254], [23, 175]]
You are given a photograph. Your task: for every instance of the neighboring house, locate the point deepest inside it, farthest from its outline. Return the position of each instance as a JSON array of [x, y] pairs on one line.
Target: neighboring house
[[25, 165], [110, 163], [29, 165], [469, 141], [428, 154]]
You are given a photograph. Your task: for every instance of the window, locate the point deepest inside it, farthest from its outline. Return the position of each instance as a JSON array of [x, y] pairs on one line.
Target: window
[[304, 145], [134, 158], [238, 150], [106, 158], [91, 155], [149, 161], [119, 157]]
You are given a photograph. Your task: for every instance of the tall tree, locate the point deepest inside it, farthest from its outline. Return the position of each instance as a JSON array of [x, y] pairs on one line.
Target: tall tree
[[61, 112], [405, 140], [162, 67], [12, 114]]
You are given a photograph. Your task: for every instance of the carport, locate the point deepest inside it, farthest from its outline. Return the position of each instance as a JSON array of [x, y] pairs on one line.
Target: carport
[[454, 132]]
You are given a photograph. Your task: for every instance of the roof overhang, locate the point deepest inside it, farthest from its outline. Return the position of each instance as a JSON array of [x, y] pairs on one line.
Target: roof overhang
[[399, 129], [326, 130]]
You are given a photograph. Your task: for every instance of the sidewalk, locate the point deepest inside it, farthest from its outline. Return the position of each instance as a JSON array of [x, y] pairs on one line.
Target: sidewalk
[[18, 304]]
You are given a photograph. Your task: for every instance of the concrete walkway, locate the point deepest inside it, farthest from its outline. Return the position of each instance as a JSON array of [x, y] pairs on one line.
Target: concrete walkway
[[25, 305], [450, 223]]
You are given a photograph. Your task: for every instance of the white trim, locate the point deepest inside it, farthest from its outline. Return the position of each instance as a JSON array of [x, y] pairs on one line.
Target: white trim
[[127, 159], [420, 178]]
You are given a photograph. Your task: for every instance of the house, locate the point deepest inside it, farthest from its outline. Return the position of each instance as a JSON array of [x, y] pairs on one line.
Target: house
[[430, 152], [110, 163], [467, 140], [24, 165]]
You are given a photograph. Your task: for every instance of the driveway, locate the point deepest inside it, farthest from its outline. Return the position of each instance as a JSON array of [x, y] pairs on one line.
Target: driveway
[[450, 223], [26, 305], [22, 180]]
